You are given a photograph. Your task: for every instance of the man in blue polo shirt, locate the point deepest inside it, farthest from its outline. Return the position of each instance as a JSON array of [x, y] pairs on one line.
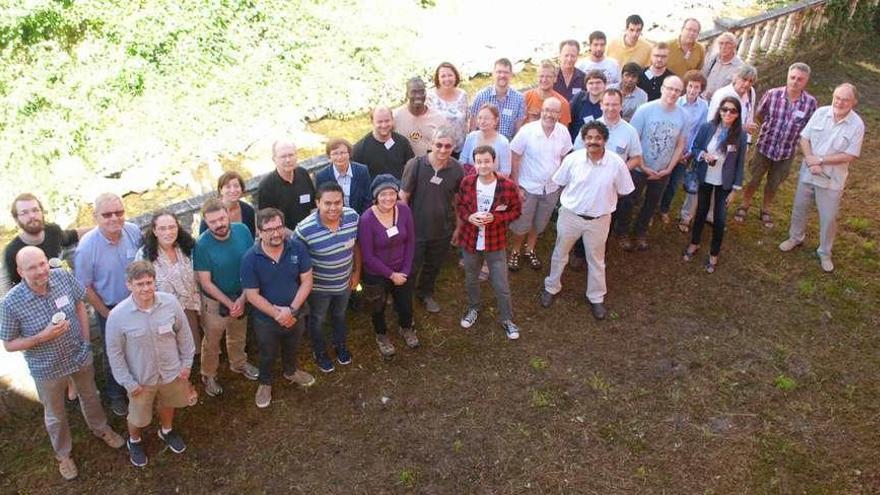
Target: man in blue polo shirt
[[276, 276], [330, 233], [100, 262]]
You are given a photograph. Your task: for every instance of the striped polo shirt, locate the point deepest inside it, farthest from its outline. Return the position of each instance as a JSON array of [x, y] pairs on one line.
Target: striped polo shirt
[[332, 252]]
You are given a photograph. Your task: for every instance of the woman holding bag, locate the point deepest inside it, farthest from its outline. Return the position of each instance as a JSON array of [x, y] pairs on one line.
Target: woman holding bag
[[719, 150]]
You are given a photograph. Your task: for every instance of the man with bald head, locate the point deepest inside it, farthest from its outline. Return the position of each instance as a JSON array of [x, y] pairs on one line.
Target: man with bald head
[[831, 141], [45, 318], [382, 150], [100, 264], [288, 188], [416, 120]]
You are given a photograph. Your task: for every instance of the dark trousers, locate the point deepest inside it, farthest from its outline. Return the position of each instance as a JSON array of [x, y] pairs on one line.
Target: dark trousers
[[319, 305], [376, 291], [111, 387], [704, 197], [675, 179], [272, 337], [653, 190], [427, 262]]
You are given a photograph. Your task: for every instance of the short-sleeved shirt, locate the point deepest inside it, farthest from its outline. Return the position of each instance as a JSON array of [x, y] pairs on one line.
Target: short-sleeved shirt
[[383, 158], [592, 188], [607, 66], [100, 264], [456, 113], [827, 138], [782, 122], [430, 202], [331, 252], [541, 156], [534, 103], [631, 102], [695, 114], [277, 281], [24, 313], [719, 74], [54, 239], [582, 111], [223, 258], [659, 130], [622, 140], [639, 53], [575, 85], [512, 108], [501, 147], [295, 199], [419, 130], [680, 62]]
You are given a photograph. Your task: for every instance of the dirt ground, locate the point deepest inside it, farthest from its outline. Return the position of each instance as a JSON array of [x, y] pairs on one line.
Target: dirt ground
[[761, 378]]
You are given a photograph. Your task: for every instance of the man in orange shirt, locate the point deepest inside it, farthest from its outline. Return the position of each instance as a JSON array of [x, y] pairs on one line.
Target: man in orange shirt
[[535, 97]]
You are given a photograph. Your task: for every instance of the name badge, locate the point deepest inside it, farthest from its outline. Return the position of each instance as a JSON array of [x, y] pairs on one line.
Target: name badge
[[163, 329], [61, 302], [620, 150], [799, 114], [349, 244], [731, 148], [389, 143], [392, 231], [575, 91], [304, 198], [507, 112], [436, 180], [501, 208], [588, 119], [294, 259]]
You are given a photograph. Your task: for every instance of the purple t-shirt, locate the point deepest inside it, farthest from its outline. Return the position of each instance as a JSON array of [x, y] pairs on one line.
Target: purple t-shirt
[[383, 254]]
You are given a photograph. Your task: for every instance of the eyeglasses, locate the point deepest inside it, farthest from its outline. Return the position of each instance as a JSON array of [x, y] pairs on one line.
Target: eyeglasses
[[443, 146], [729, 110], [33, 211], [670, 88], [111, 214], [272, 230]]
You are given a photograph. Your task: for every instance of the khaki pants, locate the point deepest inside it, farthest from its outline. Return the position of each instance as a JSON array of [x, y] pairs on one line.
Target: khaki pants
[[52, 394], [570, 228], [215, 326], [827, 202]]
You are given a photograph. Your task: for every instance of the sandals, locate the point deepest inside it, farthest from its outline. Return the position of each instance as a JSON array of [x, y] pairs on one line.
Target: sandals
[[532, 260], [766, 219], [684, 227], [689, 255], [741, 213], [710, 267], [513, 261]]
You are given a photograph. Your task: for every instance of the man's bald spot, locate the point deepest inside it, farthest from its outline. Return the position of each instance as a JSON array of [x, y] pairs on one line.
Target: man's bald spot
[[675, 79], [281, 142], [853, 92], [379, 110], [29, 255], [552, 102]]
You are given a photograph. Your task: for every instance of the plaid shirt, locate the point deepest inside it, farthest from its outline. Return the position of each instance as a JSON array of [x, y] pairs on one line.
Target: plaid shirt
[[24, 313], [511, 109], [783, 122], [506, 207]]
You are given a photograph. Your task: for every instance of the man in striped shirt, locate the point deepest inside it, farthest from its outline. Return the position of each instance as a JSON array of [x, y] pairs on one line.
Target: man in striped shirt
[[330, 234]]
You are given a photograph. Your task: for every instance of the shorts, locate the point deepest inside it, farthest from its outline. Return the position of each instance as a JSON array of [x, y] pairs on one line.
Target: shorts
[[536, 212], [177, 393], [777, 171]]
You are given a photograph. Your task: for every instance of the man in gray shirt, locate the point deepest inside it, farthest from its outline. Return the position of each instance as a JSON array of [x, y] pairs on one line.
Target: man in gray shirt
[[150, 349]]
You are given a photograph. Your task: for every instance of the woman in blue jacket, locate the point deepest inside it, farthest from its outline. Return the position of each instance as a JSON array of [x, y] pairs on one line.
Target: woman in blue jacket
[[720, 151]]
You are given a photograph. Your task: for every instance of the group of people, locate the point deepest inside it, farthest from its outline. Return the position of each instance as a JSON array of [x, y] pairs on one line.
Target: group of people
[[595, 140]]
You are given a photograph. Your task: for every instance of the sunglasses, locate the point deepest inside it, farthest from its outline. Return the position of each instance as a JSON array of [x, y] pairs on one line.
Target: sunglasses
[[728, 110], [443, 146], [111, 214]]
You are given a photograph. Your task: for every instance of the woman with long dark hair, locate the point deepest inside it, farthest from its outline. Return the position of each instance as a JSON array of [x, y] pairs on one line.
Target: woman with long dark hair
[[720, 151], [169, 248]]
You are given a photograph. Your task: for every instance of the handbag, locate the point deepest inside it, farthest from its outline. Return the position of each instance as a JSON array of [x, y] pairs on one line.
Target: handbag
[[691, 182]]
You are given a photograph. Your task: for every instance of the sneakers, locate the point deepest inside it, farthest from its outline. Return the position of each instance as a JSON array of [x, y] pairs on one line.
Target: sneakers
[[386, 348], [510, 329], [264, 396], [111, 438], [136, 453], [598, 310], [322, 360], [546, 298], [469, 317], [301, 378], [119, 406], [67, 468], [409, 335], [827, 265], [431, 306], [789, 244], [343, 357], [212, 387], [173, 440], [248, 370]]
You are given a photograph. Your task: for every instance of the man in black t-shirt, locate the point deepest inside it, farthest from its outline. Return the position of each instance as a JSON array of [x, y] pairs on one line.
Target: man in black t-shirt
[[382, 150], [289, 188], [28, 214]]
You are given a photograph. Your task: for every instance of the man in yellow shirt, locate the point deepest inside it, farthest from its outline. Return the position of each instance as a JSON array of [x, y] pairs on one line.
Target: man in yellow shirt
[[631, 48], [685, 52]]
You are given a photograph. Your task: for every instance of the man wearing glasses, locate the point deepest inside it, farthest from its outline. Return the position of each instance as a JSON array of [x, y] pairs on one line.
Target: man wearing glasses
[[28, 213], [430, 184], [100, 262]]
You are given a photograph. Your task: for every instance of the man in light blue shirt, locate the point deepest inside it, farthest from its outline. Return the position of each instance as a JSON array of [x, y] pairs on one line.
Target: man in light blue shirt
[[100, 262]]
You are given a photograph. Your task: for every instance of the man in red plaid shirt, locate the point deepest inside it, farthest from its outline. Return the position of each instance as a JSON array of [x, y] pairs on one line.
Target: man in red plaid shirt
[[487, 203]]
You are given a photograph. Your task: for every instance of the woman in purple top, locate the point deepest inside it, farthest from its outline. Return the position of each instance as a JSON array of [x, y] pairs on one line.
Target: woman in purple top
[[387, 241]]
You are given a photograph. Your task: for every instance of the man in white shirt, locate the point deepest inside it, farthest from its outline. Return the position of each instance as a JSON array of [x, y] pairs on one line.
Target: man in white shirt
[[593, 180], [831, 140], [598, 61]]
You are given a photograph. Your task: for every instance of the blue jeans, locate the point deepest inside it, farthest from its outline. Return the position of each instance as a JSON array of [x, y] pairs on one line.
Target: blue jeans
[[270, 338], [675, 179], [111, 387], [319, 304]]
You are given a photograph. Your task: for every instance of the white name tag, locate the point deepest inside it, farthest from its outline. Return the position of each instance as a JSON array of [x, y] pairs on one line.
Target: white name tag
[[731, 148], [304, 198], [588, 119], [389, 143], [620, 150], [392, 231], [501, 208], [507, 112], [163, 329], [436, 180], [799, 114], [61, 302], [575, 91]]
